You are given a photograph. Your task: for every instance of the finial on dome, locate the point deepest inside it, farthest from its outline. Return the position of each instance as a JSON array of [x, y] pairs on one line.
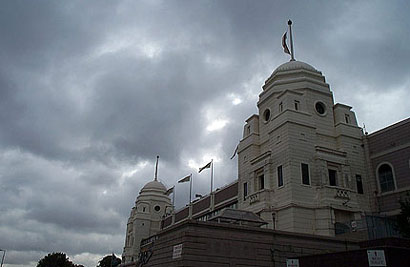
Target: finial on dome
[[156, 170]]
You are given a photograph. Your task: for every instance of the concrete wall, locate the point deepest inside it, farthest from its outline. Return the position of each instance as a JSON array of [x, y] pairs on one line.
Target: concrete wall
[[213, 244]]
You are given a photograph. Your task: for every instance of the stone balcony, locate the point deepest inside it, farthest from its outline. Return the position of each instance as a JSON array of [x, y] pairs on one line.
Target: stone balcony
[[264, 195], [337, 195]]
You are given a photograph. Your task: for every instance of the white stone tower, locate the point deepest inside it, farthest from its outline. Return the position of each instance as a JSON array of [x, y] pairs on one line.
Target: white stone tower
[[145, 219], [301, 163]]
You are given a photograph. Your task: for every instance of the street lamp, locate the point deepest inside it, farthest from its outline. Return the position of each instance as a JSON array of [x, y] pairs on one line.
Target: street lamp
[[2, 259]]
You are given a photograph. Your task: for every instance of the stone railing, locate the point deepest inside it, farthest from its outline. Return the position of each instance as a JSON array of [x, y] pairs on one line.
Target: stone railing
[[342, 193], [253, 198], [336, 194], [262, 195]]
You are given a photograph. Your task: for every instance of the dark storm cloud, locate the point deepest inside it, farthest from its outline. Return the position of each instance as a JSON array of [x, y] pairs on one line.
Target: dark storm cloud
[[91, 92]]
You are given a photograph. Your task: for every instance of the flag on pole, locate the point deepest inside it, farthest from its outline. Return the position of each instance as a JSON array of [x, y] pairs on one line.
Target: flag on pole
[[236, 151], [185, 179], [170, 191], [207, 166], [285, 46]]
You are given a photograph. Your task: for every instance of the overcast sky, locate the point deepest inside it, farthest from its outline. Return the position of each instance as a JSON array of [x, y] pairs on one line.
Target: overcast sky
[[92, 91]]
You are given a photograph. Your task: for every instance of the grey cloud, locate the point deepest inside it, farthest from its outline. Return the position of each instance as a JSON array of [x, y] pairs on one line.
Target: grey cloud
[[82, 100]]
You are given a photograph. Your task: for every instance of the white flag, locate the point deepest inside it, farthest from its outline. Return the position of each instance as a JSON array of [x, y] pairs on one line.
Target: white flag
[[185, 179]]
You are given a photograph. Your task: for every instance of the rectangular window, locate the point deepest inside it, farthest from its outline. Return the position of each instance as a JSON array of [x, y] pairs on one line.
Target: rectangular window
[[280, 176], [305, 174], [261, 182], [359, 184], [347, 118], [245, 190], [280, 107], [297, 103], [332, 177]]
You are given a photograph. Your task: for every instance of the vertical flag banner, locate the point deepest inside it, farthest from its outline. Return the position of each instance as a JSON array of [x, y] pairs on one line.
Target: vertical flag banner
[[284, 45]]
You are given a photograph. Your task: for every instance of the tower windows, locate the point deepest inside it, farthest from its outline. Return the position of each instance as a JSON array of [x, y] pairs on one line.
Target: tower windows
[[320, 108], [359, 184], [386, 179], [280, 107], [305, 174], [261, 181], [347, 118], [297, 104], [332, 177], [245, 190], [157, 208], [266, 115], [280, 176]]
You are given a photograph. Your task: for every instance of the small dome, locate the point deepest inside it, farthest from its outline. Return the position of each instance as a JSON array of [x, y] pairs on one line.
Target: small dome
[[294, 65], [154, 185], [292, 73]]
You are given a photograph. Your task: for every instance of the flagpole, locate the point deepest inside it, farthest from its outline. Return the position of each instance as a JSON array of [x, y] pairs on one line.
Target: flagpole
[[190, 189], [291, 41], [212, 174], [156, 170], [173, 199]]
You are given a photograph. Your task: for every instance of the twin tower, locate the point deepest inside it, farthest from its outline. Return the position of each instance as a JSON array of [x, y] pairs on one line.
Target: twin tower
[[301, 163]]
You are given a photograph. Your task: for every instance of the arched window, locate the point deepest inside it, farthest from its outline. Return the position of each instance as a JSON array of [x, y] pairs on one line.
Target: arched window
[[386, 178]]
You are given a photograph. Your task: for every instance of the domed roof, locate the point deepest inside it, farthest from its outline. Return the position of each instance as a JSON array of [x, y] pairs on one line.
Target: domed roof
[[291, 74], [154, 185], [294, 65]]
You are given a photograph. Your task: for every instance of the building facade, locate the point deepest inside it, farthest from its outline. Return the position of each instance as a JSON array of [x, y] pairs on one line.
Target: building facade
[[388, 153], [301, 161], [304, 167], [388, 159]]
